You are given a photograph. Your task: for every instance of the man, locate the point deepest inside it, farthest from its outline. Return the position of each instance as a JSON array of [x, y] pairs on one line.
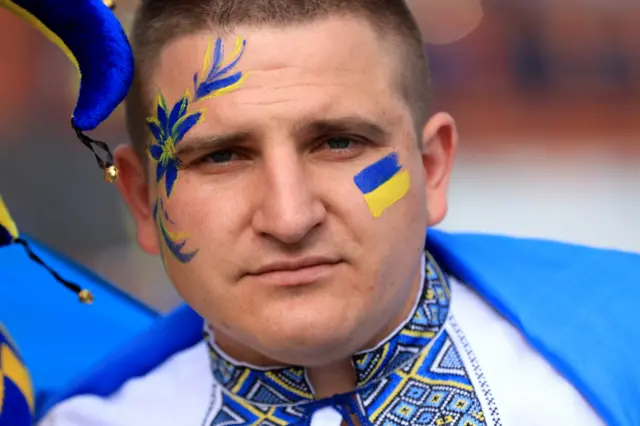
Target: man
[[286, 167]]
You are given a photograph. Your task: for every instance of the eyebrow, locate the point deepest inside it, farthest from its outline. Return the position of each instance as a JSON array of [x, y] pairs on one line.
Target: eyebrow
[[353, 124], [306, 129], [209, 143]]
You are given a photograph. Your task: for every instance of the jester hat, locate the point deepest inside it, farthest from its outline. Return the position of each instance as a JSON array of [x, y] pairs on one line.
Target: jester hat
[[44, 325]]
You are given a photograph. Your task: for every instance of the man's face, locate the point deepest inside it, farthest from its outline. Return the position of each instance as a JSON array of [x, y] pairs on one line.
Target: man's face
[[266, 183]]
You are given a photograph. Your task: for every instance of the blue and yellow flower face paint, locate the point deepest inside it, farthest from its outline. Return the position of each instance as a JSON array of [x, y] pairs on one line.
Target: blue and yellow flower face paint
[[169, 126], [175, 243], [218, 78], [383, 183]]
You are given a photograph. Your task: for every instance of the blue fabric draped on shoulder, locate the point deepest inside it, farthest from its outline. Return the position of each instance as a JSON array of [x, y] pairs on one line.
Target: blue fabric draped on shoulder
[[58, 337], [90, 35], [582, 316]]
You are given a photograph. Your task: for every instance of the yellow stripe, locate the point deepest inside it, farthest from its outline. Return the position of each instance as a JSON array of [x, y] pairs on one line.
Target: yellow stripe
[[6, 221], [388, 193], [418, 333], [17, 373], [238, 48], [241, 380], [29, 18], [207, 60], [261, 417], [291, 389]]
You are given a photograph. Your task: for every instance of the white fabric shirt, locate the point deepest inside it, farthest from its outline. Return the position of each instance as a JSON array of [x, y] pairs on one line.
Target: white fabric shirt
[[515, 384]]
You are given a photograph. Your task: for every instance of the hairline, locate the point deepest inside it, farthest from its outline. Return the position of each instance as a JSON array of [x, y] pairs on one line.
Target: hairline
[[388, 40]]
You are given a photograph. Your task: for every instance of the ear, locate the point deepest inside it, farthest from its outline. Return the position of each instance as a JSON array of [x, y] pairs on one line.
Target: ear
[[439, 143], [135, 189]]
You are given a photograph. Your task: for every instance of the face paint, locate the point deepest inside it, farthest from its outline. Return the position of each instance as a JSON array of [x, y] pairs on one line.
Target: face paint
[[175, 243], [168, 127], [217, 79], [383, 184]]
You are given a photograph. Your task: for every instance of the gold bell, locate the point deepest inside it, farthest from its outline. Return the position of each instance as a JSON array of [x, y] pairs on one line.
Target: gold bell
[[111, 174], [85, 297], [111, 4]]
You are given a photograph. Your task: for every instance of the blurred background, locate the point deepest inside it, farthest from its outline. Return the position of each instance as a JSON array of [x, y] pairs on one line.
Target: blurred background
[[546, 94]]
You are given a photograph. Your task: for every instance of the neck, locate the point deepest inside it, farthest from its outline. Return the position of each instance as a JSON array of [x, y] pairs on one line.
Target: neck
[[339, 377], [332, 379]]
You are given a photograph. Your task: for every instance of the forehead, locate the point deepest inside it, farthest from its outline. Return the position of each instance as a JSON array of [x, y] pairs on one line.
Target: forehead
[[322, 69]]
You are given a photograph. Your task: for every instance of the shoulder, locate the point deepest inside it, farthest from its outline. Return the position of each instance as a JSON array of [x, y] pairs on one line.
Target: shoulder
[[526, 389], [170, 394]]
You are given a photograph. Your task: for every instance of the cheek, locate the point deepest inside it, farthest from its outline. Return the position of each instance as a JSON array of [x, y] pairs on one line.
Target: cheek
[[415, 202], [209, 214], [398, 200], [398, 233]]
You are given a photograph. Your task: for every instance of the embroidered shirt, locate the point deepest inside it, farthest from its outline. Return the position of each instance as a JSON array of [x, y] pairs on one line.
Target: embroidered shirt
[[416, 376]]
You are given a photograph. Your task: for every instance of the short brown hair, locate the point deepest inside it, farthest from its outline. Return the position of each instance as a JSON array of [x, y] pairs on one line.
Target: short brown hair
[[158, 22]]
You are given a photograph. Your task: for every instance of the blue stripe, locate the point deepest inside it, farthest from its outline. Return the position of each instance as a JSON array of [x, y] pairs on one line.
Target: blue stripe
[[15, 409], [378, 173]]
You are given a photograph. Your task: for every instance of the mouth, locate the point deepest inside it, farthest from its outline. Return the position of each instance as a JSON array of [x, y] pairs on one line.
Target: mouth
[[297, 272]]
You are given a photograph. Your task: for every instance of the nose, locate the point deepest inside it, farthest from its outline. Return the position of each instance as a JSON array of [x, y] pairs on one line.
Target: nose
[[289, 208]]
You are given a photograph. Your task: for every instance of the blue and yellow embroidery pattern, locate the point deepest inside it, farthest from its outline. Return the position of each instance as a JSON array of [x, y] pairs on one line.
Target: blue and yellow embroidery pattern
[[236, 411], [169, 126], [269, 387], [417, 377], [427, 319], [434, 389], [16, 393]]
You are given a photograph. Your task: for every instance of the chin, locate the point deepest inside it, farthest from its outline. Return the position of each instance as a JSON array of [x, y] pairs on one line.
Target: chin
[[309, 340]]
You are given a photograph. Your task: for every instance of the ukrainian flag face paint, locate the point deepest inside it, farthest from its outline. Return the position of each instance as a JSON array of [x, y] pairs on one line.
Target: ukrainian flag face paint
[[383, 183]]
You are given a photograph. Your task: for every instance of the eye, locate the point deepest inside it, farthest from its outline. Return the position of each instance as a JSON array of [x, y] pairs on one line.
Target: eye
[[342, 145], [339, 143], [219, 160], [220, 157]]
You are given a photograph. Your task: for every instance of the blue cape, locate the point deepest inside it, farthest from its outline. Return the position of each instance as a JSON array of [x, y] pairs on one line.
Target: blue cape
[[581, 317], [58, 337]]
